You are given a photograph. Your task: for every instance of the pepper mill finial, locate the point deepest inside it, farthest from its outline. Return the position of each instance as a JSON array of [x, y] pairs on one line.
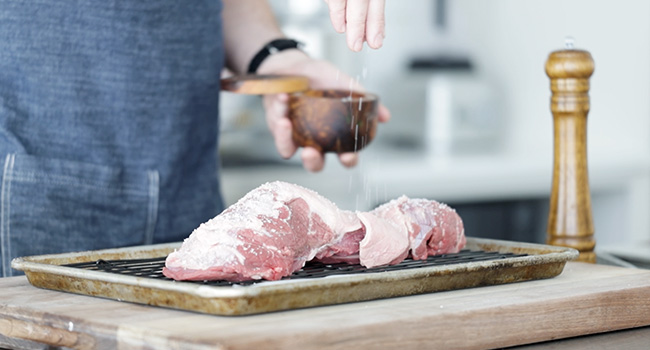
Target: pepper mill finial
[[570, 221]]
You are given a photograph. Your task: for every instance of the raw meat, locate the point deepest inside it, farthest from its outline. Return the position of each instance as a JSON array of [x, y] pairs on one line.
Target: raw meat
[[386, 241], [269, 233], [433, 228], [273, 230], [420, 227]]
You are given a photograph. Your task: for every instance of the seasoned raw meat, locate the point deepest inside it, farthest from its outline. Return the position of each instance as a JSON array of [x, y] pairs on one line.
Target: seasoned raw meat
[[433, 228], [406, 226], [273, 230], [346, 250], [269, 233]]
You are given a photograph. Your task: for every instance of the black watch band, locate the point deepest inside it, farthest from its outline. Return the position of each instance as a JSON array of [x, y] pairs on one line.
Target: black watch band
[[269, 49]]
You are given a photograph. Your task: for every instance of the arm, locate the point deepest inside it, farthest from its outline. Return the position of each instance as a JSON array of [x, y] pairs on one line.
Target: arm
[[248, 26]]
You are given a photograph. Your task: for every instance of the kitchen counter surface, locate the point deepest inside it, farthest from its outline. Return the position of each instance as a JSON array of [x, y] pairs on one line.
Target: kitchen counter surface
[[584, 299]]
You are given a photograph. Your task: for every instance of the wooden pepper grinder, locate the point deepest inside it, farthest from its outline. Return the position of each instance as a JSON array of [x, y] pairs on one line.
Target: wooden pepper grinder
[[570, 221]]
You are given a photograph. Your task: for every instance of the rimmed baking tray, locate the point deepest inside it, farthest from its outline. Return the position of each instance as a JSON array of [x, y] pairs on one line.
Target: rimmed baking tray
[[506, 262]]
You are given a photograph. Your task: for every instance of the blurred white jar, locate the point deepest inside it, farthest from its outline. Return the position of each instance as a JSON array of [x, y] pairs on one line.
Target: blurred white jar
[[463, 114]]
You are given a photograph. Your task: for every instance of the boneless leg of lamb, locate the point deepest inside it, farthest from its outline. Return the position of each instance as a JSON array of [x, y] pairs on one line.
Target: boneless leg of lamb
[[273, 230]]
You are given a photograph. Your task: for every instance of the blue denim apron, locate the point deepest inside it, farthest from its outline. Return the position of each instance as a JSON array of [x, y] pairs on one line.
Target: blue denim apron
[[108, 123]]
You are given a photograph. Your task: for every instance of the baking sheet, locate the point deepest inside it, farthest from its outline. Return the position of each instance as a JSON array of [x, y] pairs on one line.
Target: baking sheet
[[45, 271]]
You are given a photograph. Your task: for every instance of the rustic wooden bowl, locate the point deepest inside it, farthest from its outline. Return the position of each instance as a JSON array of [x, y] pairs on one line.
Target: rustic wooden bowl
[[333, 120]]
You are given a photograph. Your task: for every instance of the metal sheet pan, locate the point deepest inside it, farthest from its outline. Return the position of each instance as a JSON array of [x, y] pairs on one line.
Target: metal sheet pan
[[45, 271]]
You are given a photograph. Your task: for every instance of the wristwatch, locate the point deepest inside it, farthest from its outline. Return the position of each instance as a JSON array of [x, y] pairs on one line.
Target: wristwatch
[[271, 48]]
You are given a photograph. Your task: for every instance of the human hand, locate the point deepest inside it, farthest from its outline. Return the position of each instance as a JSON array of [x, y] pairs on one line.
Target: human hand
[[321, 75], [361, 20]]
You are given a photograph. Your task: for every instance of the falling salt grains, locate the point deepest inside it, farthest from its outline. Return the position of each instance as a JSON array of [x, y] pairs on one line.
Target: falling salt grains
[[364, 72], [377, 193], [366, 186], [356, 135], [360, 102]]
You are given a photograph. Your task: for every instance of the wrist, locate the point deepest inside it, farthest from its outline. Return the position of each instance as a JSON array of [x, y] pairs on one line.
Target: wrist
[[282, 61], [275, 55]]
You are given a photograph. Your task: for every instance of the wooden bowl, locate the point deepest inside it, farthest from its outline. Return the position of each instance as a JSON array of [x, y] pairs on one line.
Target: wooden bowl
[[254, 84], [333, 120]]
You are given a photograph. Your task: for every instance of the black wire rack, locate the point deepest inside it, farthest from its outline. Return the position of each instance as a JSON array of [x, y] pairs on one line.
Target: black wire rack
[[152, 268]]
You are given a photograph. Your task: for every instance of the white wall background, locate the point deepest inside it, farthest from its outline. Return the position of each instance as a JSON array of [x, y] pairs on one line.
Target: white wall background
[[509, 40]]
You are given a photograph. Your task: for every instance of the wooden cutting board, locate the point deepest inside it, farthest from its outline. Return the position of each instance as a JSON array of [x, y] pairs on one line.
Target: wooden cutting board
[[584, 299]]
